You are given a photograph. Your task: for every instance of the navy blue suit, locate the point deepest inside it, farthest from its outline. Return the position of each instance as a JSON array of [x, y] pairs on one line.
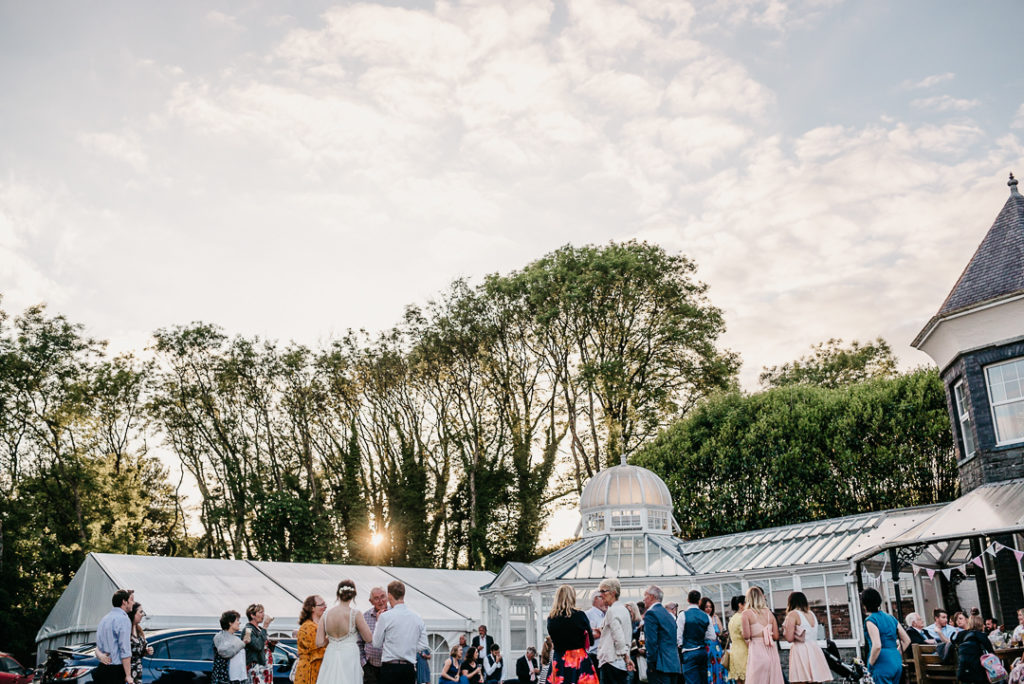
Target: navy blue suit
[[660, 636]]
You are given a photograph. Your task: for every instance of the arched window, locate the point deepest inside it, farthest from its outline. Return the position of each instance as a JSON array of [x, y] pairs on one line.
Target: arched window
[[439, 651]]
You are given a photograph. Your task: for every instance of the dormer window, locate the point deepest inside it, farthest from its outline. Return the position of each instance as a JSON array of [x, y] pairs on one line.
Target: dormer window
[[1006, 395], [595, 522]]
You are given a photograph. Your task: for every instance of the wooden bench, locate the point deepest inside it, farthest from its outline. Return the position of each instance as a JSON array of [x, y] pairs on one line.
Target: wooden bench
[[928, 669]]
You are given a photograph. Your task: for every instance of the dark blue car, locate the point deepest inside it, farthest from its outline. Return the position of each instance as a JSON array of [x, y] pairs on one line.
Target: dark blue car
[[180, 656]]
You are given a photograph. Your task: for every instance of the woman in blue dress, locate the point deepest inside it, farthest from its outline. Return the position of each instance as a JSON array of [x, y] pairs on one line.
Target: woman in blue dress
[[886, 640], [716, 673]]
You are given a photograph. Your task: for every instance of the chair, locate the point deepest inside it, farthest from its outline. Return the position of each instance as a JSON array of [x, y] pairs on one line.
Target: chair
[[929, 669]]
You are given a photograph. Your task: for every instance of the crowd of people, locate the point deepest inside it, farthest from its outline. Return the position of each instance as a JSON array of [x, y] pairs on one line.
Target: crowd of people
[[613, 642]]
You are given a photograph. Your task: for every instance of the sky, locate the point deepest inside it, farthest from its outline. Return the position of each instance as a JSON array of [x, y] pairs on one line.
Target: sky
[[296, 169]]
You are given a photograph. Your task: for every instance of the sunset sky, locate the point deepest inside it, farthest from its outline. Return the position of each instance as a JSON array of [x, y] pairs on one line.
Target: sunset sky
[[295, 169]]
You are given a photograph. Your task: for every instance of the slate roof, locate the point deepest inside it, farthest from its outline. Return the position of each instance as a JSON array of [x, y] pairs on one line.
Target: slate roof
[[997, 267]]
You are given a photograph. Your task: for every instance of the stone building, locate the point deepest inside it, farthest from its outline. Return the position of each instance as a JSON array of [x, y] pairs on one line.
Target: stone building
[[977, 341]]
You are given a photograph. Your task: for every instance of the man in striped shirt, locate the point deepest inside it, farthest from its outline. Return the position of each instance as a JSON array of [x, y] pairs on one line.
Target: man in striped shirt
[[368, 653]]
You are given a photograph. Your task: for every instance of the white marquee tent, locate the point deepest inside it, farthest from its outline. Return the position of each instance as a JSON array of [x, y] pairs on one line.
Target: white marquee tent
[[193, 592]]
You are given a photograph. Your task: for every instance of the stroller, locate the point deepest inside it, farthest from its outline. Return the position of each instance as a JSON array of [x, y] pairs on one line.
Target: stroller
[[854, 672]]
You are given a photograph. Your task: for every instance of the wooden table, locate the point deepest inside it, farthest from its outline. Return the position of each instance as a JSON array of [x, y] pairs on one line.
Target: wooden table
[[1008, 655]]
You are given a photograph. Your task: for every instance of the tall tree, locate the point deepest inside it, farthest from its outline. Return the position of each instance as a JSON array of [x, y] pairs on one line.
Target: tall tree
[[635, 338]]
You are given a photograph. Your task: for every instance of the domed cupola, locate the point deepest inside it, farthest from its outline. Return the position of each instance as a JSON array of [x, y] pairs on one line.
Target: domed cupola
[[626, 498]]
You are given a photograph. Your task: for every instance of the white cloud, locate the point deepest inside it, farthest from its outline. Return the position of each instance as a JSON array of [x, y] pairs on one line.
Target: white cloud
[[929, 81], [125, 147], [1018, 118], [945, 103], [224, 21]]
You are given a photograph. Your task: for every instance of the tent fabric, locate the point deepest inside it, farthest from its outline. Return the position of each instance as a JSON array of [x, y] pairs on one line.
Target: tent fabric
[[193, 592], [991, 509]]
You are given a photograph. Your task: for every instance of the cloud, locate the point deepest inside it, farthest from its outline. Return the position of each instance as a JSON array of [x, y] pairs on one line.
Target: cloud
[[1018, 118], [125, 147], [945, 103], [929, 81], [223, 21]]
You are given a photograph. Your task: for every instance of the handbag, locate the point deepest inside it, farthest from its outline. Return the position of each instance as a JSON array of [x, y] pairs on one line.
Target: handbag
[[725, 660], [641, 669]]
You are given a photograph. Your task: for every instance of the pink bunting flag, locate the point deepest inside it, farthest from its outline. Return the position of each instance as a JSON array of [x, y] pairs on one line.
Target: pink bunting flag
[[1018, 554], [931, 573], [977, 561], [995, 547]]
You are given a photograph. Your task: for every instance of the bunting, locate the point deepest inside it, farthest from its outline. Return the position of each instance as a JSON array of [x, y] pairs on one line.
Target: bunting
[[992, 549]]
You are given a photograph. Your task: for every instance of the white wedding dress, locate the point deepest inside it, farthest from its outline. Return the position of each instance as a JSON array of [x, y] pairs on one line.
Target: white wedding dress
[[341, 658]]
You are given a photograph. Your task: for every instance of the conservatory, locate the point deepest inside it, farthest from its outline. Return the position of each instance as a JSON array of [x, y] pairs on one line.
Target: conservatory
[[626, 531]]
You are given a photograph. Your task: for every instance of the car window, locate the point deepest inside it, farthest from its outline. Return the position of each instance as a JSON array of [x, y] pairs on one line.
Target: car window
[[194, 647], [9, 665], [160, 650], [281, 655]]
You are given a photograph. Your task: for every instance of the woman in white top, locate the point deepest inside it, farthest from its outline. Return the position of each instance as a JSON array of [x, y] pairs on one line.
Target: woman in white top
[[616, 634], [806, 661]]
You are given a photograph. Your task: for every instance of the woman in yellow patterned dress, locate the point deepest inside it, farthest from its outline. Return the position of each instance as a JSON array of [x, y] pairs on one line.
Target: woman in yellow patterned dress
[[737, 645], [310, 656]]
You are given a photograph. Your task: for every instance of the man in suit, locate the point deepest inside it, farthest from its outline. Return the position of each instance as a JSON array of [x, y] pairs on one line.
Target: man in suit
[[691, 633], [916, 630], [482, 642], [660, 637], [527, 667]]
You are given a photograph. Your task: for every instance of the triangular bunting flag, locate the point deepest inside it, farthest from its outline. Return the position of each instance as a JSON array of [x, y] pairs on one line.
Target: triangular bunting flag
[[996, 547], [1018, 554], [977, 561], [931, 572], [948, 572]]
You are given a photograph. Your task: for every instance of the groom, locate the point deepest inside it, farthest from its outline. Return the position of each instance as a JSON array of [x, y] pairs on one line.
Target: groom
[[400, 634]]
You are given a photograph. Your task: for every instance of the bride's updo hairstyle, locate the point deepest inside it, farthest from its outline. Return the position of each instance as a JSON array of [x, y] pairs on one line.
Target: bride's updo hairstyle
[[346, 590]]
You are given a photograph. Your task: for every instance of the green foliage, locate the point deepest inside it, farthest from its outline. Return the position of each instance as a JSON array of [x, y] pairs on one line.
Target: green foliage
[[75, 476], [799, 453], [832, 365]]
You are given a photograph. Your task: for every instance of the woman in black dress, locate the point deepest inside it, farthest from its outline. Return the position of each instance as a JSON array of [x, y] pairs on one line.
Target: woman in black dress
[[571, 637]]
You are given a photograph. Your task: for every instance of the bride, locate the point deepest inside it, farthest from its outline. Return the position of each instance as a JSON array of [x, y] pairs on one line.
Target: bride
[[338, 629]]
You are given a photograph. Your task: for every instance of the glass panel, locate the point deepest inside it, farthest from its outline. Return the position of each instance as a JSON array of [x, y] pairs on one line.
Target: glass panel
[[1010, 422], [781, 587]]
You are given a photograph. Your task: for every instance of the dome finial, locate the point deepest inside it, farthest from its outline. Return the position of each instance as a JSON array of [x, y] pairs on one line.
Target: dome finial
[[622, 460], [1013, 185]]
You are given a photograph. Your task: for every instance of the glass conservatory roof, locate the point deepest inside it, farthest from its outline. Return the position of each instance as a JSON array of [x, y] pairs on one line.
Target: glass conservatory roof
[[821, 541], [614, 555], [625, 486]]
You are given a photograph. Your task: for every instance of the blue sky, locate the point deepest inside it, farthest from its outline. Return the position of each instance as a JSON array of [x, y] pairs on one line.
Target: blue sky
[[296, 169]]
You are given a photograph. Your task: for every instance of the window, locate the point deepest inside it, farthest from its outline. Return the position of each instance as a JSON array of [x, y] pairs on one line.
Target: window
[[595, 522], [439, 652], [1006, 395], [966, 425], [626, 520], [10, 665], [196, 647], [657, 520]]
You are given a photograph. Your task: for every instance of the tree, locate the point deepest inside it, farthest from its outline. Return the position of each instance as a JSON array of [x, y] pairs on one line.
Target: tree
[[833, 365], [799, 452], [634, 337]]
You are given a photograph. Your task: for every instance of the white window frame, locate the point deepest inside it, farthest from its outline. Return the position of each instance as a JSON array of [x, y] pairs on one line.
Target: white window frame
[[964, 418], [992, 404]]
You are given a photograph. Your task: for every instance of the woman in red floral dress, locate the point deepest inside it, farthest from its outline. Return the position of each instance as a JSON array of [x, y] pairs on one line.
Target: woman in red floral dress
[[571, 637]]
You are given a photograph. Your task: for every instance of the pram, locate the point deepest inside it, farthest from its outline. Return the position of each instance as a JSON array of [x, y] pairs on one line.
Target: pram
[[853, 672]]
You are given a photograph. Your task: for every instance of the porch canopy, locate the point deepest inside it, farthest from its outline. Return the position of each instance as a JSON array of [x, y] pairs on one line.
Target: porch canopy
[[953, 537], [990, 510]]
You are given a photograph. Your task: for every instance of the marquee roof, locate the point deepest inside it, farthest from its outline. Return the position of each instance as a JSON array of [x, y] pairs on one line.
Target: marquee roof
[[193, 592]]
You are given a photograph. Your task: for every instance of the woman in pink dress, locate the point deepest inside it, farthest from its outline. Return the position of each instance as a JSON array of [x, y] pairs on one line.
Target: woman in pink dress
[[807, 663], [761, 632]]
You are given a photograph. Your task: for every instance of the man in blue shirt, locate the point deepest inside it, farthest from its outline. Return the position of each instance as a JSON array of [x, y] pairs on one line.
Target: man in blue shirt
[[113, 637]]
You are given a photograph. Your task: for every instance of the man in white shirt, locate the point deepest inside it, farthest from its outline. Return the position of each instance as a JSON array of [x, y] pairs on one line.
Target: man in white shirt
[[596, 616], [494, 666], [400, 634]]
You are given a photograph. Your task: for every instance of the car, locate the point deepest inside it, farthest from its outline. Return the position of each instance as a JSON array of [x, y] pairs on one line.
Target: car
[[12, 672], [180, 656]]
